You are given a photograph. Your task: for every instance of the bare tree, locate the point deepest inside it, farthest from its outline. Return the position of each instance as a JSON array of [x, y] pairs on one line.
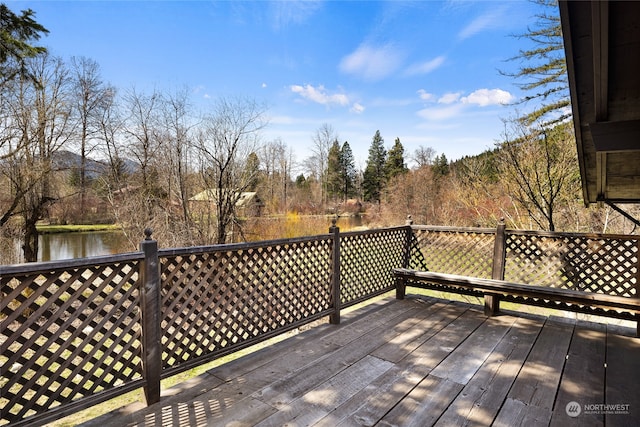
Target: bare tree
[[178, 125], [39, 112], [317, 163], [277, 159], [423, 156], [90, 97], [413, 193], [141, 128], [540, 170], [140, 200], [110, 125], [227, 137], [285, 161]]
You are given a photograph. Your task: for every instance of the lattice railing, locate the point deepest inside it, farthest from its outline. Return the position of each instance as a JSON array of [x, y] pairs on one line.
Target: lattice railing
[[464, 251], [594, 263], [588, 262], [72, 333], [367, 259], [221, 299], [68, 330]]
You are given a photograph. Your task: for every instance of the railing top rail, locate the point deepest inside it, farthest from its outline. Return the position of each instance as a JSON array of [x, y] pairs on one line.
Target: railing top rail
[[526, 232], [372, 230], [238, 246], [454, 229], [573, 235], [35, 267]]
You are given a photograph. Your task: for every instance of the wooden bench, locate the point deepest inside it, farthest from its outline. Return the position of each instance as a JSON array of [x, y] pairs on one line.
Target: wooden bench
[[493, 291]]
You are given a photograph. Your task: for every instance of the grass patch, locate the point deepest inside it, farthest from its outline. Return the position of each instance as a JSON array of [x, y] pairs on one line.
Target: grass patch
[[74, 228]]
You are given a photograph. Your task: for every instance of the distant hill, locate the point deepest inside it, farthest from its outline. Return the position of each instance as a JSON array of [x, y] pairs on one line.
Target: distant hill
[[67, 160]]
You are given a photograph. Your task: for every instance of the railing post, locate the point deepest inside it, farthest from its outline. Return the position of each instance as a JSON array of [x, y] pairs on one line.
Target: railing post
[[409, 220], [151, 318], [637, 283], [334, 319], [492, 301], [407, 249]]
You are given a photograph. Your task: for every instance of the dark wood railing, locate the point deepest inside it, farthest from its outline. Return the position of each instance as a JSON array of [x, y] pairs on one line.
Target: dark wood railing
[[76, 333], [599, 263]]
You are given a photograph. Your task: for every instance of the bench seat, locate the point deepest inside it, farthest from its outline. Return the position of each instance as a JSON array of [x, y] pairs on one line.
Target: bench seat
[[493, 290]]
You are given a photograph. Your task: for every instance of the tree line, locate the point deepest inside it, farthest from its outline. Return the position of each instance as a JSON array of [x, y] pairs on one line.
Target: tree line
[[154, 151], [140, 157]]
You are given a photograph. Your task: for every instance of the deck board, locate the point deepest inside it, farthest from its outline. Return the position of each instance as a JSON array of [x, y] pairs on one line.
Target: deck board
[[424, 404], [427, 324], [623, 379], [366, 340], [481, 399], [321, 400], [530, 400], [583, 377], [466, 359], [420, 361]]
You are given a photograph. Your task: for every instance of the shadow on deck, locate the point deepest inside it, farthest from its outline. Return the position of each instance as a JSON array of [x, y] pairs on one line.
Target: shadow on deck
[[417, 362]]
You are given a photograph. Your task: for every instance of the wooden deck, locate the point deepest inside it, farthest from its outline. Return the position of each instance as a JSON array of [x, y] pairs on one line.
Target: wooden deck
[[416, 362]]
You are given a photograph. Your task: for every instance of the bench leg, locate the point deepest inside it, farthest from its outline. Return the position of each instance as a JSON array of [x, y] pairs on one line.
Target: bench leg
[[491, 304], [400, 288]]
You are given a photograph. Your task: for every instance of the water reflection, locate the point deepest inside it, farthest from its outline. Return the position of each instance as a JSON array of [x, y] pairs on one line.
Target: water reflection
[[58, 246], [79, 245]]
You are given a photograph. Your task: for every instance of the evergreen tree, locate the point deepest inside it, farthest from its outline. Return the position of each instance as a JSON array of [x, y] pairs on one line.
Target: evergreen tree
[[301, 181], [544, 73], [374, 173], [16, 34], [537, 160], [333, 173], [440, 166], [252, 171], [395, 161], [348, 171]]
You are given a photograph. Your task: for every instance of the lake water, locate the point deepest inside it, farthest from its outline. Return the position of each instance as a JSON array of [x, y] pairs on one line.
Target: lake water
[[58, 246], [79, 245]]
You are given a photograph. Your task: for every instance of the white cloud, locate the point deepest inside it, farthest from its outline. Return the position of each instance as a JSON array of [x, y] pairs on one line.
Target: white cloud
[[486, 21], [357, 108], [449, 98], [425, 67], [440, 113], [372, 63], [320, 95], [484, 97], [454, 104], [263, 85], [425, 96]]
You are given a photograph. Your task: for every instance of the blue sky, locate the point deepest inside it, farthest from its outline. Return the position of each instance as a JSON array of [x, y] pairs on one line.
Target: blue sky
[[425, 72]]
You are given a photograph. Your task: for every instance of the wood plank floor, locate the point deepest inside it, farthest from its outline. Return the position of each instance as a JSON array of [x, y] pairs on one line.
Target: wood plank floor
[[417, 362]]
